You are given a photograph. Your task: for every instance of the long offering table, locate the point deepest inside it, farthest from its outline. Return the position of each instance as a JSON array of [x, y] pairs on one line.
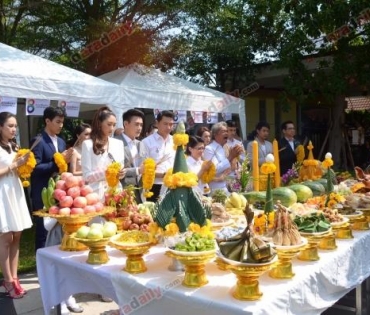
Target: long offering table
[[315, 287]]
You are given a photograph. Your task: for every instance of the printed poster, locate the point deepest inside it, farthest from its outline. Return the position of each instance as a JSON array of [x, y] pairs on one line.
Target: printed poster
[[8, 104], [156, 112], [72, 108], [226, 116], [36, 107], [212, 118], [197, 117], [179, 115]]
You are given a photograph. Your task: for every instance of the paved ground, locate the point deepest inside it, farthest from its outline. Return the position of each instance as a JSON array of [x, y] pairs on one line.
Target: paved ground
[[31, 303]]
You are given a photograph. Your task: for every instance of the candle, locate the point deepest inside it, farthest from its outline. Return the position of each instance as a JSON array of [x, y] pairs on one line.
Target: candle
[[275, 150], [256, 171]]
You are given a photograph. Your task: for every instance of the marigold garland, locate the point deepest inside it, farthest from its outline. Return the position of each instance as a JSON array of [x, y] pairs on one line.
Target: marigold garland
[[327, 163], [268, 168], [180, 139], [148, 176], [111, 174], [180, 179], [310, 162], [263, 221], [208, 175], [60, 162], [300, 153], [25, 170]]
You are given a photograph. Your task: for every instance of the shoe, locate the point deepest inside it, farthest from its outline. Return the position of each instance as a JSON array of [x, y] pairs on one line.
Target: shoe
[[12, 290], [18, 285], [64, 309], [75, 308], [106, 299]]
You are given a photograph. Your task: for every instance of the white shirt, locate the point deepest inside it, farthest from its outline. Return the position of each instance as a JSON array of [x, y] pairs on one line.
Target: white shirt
[[54, 139], [161, 150], [194, 166]]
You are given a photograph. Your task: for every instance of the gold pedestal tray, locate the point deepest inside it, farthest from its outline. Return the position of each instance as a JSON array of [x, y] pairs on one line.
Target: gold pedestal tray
[[343, 232], [366, 213], [282, 269], [247, 286], [70, 224], [134, 252], [194, 263], [360, 224], [97, 253], [328, 242], [310, 251]]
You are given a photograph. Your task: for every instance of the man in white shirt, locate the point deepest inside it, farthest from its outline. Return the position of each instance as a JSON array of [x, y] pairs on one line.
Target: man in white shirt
[[133, 121], [231, 143], [215, 152], [159, 146]]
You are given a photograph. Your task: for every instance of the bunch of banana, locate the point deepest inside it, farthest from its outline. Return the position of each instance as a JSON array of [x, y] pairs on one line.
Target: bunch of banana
[[47, 194], [235, 204]]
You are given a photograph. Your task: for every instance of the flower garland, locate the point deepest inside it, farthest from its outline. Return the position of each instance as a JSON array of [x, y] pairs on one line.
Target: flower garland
[[310, 162], [208, 175], [26, 169], [60, 162], [300, 153], [148, 176], [180, 139], [180, 179], [111, 174], [263, 221]]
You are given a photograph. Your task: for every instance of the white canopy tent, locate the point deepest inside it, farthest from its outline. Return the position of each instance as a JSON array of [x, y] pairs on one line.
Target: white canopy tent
[[145, 87], [24, 75]]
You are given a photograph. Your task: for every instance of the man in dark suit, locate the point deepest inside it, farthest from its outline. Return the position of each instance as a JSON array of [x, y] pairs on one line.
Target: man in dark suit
[[133, 125], [45, 165], [287, 147]]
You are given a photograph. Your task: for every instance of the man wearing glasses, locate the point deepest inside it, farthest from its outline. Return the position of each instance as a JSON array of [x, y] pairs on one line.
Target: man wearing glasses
[[287, 147]]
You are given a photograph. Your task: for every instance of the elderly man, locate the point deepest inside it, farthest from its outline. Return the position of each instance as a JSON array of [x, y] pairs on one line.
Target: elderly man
[[159, 146], [215, 152]]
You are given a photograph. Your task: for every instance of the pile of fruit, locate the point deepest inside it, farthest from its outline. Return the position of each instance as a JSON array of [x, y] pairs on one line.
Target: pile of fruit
[[69, 195], [196, 243], [332, 215], [97, 231], [285, 231], [219, 213]]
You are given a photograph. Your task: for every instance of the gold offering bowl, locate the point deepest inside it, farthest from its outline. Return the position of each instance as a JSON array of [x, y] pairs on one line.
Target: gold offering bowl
[[359, 223], [310, 251], [247, 286], [366, 213], [343, 232], [134, 252], [194, 263], [97, 253], [282, 269], [70, 224], [328, 242]]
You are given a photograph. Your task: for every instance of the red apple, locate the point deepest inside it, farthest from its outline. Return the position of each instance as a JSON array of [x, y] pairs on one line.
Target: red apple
[[126, 224], [65, 175], [60, 184], [89, 209], [144, 227], [54, 210], [85, 190], [92, 198], [59, 194], [65, 211], [71, 181], [99, 206], [134, 226], [147, 218], [138, 219], [73, 192], [79, 202], [77, 211], [67, 201]]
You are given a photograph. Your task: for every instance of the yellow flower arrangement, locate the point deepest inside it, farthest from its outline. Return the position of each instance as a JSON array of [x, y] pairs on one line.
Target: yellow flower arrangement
[[60, 162], [263, 221], [148, 176], [210, 174], [111, 174], [310, 162], [180, 139], [300, 153], [327, 163], [268, 168], [155, 231], [202, 230], [332, 200], [180, 179], [25, 170]]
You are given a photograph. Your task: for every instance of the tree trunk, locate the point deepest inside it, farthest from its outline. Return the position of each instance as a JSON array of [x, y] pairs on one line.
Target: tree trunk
[[336, 138]]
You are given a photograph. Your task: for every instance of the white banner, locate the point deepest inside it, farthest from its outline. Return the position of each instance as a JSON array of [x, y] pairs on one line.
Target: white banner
[[8, 104], [36, 107], [72, 108], [198, 117], [212, 118], [226, 116], [179, 115]]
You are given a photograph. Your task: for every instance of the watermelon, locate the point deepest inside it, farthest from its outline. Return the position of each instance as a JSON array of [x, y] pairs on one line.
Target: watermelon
[[317, 188], [286, 196], [255, 196], [322, 181], [303, 192]]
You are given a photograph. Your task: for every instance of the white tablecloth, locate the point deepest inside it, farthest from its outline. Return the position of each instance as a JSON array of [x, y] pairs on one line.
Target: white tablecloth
[[315, 287]]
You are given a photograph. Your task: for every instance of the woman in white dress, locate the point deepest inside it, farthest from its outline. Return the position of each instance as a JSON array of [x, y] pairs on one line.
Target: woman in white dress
[[194, 151], [101, 150], [14, 213], [82, 132]]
